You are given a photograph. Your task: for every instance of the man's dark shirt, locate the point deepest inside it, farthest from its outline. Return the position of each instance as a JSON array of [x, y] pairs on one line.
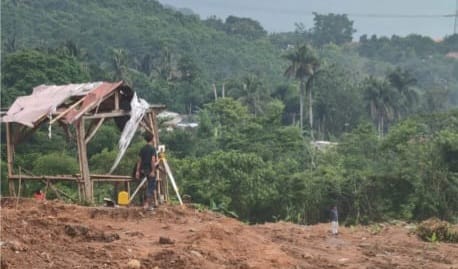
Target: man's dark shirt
[[334, 215], [146, 154]]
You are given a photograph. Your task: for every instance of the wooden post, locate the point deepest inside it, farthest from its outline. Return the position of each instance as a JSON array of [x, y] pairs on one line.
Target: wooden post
[[116, 99], [152, 127], [162, 184], [10, 158], [82, 158]]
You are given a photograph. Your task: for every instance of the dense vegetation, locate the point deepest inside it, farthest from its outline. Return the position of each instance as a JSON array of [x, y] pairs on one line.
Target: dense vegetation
[[388, 103]]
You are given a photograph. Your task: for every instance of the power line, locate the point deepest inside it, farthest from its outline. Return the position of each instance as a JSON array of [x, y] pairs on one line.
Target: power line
[[413, 16]]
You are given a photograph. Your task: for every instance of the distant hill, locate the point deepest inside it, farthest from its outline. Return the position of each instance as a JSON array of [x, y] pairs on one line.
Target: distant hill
[[144, 36], [143, 28]]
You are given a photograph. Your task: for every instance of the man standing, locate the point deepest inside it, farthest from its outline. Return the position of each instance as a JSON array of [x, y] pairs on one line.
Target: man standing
[[146, 167], [334, 220]]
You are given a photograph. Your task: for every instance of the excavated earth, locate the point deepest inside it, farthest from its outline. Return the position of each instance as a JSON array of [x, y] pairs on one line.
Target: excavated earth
[[53, 234]]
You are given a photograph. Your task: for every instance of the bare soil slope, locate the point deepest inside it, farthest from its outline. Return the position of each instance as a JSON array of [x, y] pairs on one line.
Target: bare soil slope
[[58, 235]]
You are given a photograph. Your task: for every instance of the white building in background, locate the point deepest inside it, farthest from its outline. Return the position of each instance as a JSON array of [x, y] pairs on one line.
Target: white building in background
[[172, 120], [322, 145]]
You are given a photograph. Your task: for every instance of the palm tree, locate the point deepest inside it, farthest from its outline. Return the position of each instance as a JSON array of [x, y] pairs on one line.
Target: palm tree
[[304, 65], [402, 81], [250, 92], [119, 65], [166, 67], [380, 98]]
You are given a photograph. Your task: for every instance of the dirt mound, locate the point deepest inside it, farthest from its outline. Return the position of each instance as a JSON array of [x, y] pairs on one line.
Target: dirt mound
[[435, 230], [58, 235]]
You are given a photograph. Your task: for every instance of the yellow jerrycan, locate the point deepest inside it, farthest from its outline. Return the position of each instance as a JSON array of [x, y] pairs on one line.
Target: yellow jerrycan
[[123, 198]]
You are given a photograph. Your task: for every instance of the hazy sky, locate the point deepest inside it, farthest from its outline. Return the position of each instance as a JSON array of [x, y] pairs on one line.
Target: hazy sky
[[369, 16]]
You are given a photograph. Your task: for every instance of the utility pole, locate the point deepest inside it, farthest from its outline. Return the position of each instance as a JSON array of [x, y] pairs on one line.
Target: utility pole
[[456, 18]]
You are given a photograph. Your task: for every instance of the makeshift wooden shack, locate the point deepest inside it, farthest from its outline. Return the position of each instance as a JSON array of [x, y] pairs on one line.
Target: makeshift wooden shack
[[85, 106]]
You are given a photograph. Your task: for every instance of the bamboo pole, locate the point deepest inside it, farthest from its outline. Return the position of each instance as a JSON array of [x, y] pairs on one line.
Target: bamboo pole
[[146, 127], [19, 188], [45, 180], [95, 176], [112, 114], [63, 113], [56, 190], [94, 130], [30, 177]]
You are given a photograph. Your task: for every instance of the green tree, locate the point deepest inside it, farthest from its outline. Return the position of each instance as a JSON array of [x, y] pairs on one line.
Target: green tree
[[228, 117], [303, 66], [435, 100], [417, 169], [332, 28], [55, 164], [288, 93], [337, 104], [403, 81], [248, 190], [120, 65], [23, 70], [105, 138], [245, 27], [450, 43], [251, 92], [380, 102], [358, 160], [190, 85], [166, 65]]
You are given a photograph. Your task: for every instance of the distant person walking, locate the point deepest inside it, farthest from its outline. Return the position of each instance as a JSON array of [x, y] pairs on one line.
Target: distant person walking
[[146, 167], [334, 216]]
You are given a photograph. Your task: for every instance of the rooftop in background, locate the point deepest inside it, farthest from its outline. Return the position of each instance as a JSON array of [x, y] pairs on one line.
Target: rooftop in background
[[453, 55]]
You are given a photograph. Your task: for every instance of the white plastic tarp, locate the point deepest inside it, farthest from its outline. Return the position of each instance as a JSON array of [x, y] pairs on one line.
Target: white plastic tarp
[[138, 110], [44, 100]]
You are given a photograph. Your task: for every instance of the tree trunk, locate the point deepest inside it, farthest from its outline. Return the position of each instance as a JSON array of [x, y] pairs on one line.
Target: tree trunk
[[301, 105], [214, 91], [380, 126], [310, 113], [379, 121], [320, 128]]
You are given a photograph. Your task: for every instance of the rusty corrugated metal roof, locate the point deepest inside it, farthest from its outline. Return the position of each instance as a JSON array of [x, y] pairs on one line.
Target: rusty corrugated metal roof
[[30, 110], [92, 99]]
